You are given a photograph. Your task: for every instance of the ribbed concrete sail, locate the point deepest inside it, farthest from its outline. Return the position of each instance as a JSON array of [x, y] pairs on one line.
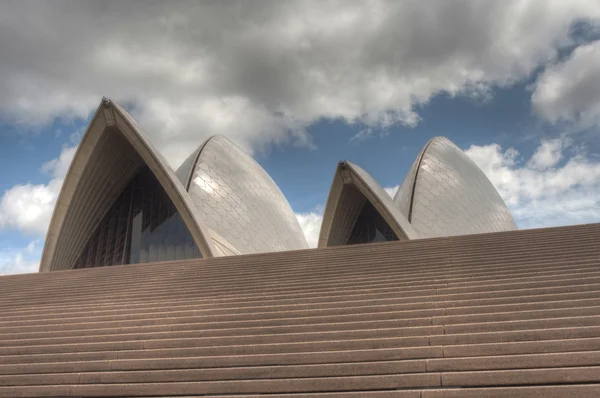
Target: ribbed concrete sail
[[238, 201], [355, 195], [445, 193], [508, 314], [111, 153]]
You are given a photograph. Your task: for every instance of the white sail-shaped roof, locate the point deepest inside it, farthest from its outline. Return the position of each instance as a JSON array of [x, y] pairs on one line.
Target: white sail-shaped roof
[[351, 190], [445, 193], [239, 202], [110, 154]]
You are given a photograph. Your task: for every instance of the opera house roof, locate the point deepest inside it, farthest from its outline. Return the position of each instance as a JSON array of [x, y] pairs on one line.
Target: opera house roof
[[444, 194], [194, 283], [121, 203], [238, 201]]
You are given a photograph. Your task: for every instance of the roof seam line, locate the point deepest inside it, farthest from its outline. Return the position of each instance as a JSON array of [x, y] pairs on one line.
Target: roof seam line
[[189, 177], [414, 183]]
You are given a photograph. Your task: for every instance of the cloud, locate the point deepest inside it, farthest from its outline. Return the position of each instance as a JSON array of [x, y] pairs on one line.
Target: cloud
[[362, 135], [547, 155], [544, 191], [262, 72], [311, 226], [20, 260], [392, 190], [58, 167], [570, 90], [29, 207]]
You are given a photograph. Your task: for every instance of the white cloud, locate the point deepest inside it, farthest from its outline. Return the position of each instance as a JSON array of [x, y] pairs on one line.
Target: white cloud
[[20, 260], [570, 90], [262, 72], [362, 135], [555, 194], [311, 226], [58, 167], [392, 190], [29, 207], [547, 155]]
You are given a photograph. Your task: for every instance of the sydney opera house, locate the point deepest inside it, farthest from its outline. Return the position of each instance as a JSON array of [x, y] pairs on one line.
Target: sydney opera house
[[121, 203], [199, 283]]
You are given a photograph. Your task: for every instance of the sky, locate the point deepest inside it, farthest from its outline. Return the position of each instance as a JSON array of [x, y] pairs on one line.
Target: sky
[[301, 85]]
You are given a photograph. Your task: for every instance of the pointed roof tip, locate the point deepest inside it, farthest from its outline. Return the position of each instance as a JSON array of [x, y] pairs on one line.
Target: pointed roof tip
[[71, 191], [437, 138], [475, 185], [369, 189], [224, 137], [242, 177], [215, 137]]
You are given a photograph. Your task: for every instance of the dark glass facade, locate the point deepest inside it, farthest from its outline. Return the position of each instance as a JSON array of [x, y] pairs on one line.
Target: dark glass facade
[[141, 226], [370, 227]]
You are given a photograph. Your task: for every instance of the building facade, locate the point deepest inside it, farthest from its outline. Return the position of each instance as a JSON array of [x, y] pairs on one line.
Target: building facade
[[121, 203], [443, 194]]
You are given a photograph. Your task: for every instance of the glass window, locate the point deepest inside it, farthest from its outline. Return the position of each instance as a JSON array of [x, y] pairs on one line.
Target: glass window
[[171, 237], [136, 238], [153, 248], [189, 246], [179, 232], [142, 225], [162, 231], [370, 227], [146, 202]]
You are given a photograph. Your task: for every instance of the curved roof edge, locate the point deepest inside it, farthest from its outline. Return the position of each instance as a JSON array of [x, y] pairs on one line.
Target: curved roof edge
[[260, 219], [185, 171], [407, 189], [454, 175], [111, 115], [350, 174]]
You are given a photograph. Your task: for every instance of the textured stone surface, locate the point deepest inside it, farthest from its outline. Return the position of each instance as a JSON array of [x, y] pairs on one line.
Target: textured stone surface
[[452, 196], [238, 199], [403, 197], [184, 171], [510, 314]]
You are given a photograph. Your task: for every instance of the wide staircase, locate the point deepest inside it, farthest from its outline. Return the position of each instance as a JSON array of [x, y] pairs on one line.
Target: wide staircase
[[511, 314]]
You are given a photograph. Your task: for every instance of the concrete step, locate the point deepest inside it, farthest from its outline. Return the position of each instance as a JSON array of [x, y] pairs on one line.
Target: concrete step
[[507, 314], [575, 374], [241, 336], [376, 304], [314, 361], [212, 374], [563, 359], [522, 347], [282, 301], [400, 290], [305, 276], [200, 303], [328, 384], [518, 257], [549, 391]]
